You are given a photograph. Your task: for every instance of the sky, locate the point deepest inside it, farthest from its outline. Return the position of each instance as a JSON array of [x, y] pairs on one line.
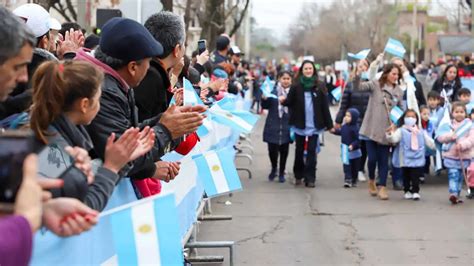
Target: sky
[[278, 14]]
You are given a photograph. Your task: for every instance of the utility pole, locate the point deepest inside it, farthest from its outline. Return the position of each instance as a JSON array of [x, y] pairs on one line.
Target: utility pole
[[413, 33]]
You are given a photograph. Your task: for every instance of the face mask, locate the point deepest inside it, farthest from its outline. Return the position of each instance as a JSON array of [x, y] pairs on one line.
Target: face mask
[[364, 75], [409, 121]]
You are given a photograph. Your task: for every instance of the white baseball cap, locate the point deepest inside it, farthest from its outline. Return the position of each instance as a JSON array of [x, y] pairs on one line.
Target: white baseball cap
[[36, 18], [54, 24]]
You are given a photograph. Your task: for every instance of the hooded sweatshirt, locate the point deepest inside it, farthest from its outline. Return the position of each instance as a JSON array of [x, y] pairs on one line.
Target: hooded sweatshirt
[[350, 134]]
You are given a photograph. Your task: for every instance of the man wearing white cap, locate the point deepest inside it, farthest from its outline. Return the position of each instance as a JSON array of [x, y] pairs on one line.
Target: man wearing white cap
[[38, 20]]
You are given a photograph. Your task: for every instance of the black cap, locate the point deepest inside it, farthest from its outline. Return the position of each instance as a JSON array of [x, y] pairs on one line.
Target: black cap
[[128, 40], [222, 42]]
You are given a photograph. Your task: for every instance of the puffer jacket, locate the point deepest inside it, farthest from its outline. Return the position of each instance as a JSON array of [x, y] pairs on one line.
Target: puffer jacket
[[466, 143], [353, 99], [277, 129]]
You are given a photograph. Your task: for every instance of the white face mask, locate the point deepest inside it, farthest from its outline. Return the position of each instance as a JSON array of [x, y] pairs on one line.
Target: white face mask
[[409, 121]]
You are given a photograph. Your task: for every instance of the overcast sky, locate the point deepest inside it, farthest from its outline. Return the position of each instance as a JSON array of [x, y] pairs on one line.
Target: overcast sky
[[278, 14]]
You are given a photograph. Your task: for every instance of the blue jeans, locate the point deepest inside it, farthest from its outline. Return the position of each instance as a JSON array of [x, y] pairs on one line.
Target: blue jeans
[[456, 179], [378, 157]]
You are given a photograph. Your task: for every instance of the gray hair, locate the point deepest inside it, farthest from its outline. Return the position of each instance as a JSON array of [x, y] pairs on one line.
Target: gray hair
[[168, 29], [14, 35]]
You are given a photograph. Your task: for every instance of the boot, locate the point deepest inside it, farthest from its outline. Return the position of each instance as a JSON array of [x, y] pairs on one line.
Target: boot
[[372, 188], [383, 193]]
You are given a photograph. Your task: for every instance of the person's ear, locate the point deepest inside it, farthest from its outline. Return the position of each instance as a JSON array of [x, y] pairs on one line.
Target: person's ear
[[82, 105], [132, 68], [176, 50], [44, 43]]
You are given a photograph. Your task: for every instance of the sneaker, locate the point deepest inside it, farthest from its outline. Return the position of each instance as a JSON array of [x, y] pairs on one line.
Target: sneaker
[[470, 195], [453, 199], [347, 184], [397, 186], [354, 185], [272, 175], [281, 178], [361, 177], [416, 196], [310, 184], [408, 195]]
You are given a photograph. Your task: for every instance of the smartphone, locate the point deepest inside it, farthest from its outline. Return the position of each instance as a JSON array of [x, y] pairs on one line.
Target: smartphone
[[201, 46], [15, 145]]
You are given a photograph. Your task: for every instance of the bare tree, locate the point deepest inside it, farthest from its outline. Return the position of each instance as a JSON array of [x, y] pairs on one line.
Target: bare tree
[[167, 5], [65, 8]]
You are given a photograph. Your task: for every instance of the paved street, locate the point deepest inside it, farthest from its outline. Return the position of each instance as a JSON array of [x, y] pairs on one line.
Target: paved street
[[278, 224]]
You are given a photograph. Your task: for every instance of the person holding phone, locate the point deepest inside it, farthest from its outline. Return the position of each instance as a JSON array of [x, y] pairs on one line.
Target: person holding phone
[[65, 99]]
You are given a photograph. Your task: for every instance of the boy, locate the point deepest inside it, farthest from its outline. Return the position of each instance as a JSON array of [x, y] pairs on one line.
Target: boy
[[435, 109], [350, 147], [464, 96], [427, 126]]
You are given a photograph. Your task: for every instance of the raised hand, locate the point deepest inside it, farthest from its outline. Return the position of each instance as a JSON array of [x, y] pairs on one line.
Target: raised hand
[[118, 153], [146, 141]]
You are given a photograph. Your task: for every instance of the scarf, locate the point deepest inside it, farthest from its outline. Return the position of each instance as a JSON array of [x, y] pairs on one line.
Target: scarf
[[424, 124], [308, 83], [74, 135], [414, 138], [282, 92]]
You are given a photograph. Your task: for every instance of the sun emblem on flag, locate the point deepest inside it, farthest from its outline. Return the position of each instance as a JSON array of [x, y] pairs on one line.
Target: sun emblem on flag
[[145, 229], [216, 168], [229, 115]]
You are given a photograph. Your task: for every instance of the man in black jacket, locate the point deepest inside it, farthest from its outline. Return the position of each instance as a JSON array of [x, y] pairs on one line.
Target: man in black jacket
[[124, 69], [154, 93]]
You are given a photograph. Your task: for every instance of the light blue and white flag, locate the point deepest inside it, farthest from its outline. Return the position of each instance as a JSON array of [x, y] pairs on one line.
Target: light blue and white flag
[[217, 171], [360, 55], [190, 96], [444, 125], [205, 79], [460, 132], [267, 88], [337, 93], [345, 154], [395, 114], [146, 232], [395, 48], [242, 121]]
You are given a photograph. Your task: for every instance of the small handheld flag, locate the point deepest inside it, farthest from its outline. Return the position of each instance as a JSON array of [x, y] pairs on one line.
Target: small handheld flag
[[337, 93], [395, 48], [266, 88], [190, 96], [395, 114], [360, 55], [345, 154]]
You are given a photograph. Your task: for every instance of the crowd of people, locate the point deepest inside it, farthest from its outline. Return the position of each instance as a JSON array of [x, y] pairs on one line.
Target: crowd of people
[[404, 146], [112, 106], [106, 107]]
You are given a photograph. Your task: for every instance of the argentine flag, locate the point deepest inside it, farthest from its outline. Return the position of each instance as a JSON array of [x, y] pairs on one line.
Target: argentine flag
[[345, 154], [444, 126], [395, 48], [395, 114], [190, 96], [223, 113], [146, 232], [337, 93], [267, 88], [360, 55], [460, 132], [217, 171]]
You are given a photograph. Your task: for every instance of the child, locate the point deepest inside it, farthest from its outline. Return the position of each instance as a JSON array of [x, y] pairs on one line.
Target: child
[[350, 141], [427, 126], [435, 109], [410, 152], [457, 149], [470, 170], [464, 96], [277, 131]]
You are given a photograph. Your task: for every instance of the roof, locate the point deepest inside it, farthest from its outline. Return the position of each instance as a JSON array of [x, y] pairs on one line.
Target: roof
[[456, 44]]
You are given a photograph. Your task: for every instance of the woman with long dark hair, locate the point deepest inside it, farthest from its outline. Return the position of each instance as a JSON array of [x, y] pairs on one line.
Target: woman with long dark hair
[[450, 82], [385, 94], [309, 115]]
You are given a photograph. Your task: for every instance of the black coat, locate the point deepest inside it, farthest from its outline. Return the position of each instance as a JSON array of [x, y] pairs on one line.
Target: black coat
[[276, 130], [438, 86], [117, 114], [420, 96], [152, 96], [353, 99], [296, 103]]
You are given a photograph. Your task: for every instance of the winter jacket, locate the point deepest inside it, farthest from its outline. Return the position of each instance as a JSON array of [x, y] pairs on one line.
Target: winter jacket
[[63, 134], [16, 242], [350, 134], [117, 114], [153, 94], [296, 104], [353, 99], [276, 130], [404, 155], [439, 85], [376, 119], [466, 142]]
